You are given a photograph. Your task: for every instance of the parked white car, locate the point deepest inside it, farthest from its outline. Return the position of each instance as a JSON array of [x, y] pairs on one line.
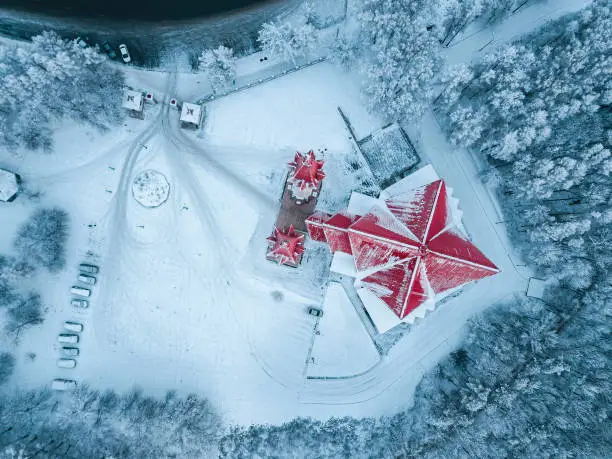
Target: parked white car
[[68, 351], [87, 279], [89, 269], [80, 291], [73, 326], [66, 363], [68, 338], [63, 384], [79, 303], [81, 42], [125, 55]]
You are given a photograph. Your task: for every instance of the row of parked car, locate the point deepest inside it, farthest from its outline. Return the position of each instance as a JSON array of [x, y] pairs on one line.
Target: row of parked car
[[69, 338], [108, 49], [87, 279], [68, 341]]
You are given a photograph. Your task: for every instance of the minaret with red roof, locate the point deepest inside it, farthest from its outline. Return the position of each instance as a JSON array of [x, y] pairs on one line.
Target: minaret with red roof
[[286, 246], [305, 177]]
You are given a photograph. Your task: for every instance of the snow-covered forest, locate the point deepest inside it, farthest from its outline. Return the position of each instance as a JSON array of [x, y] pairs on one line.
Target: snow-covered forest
[[50, 80], [108, 424], [532, 377]]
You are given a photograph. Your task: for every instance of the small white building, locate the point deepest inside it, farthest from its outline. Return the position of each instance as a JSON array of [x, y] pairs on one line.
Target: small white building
[[9, 185], [133, 101], [191, 115]]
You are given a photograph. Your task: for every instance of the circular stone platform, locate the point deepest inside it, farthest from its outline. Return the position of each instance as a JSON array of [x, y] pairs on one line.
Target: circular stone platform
[[150, 188]]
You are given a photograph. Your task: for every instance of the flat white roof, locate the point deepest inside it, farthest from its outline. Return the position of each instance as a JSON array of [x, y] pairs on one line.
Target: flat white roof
[[132, 100], [343, 263], [423, 176], [191, 113], [8, 185], [361, 204]]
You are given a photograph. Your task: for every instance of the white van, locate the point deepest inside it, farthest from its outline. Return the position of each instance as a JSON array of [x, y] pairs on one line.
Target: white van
[[80, 291], [87, 279], [68, 338], [89, 269], [63, 384], [66, 363], [73, 326]]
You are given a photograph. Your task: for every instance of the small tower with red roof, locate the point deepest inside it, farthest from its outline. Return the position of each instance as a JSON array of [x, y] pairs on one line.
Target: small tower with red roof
[[305, 176], [286, 246]]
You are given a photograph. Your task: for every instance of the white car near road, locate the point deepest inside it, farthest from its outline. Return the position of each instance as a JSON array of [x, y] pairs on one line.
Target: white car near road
[[79, 303], [87, 279], [68, 338], [73, 326], [80, 291], [66, 363], [63, 384], [89, 269], [68, 351], [125, 55]]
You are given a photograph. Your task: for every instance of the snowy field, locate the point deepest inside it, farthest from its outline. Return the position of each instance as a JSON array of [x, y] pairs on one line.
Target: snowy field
[[185, 299]]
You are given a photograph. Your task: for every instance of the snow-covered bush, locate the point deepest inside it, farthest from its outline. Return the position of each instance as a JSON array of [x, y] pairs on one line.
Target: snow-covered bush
[[50, 80], [41, 241], [220, 65], [287, 41]]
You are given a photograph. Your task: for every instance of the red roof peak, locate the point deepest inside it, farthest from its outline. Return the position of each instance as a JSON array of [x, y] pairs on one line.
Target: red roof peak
[[287, 246], [307, 169]]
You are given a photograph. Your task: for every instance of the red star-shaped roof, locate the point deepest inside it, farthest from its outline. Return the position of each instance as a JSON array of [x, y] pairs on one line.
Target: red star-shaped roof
[[287, 247], [307, 170], [410, 249]]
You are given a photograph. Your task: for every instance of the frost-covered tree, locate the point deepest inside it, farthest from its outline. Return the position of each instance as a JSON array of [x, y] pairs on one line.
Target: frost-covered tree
[[87, 423], [7, 366], [522, 92], [539, 110], [42, 239], [50, 80], [400, 69], [24, 312], [287, 41], [220, 65], [450, 17], [343, 51]]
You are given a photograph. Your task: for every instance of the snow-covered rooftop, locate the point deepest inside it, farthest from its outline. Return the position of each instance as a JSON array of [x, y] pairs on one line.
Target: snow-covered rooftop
[[191, 113], [133, 100], [8, 185], [373, 248]]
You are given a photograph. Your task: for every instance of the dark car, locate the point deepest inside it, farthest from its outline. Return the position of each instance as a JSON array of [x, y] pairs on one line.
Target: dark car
[[315, 312], [108, 49]]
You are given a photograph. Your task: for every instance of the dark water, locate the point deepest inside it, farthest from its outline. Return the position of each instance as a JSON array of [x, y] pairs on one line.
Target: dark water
[[131, 10], [155, 31]]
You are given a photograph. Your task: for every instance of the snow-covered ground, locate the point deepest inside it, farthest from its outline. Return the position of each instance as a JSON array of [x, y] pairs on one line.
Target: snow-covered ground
[[342, 346], [185, 299]]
